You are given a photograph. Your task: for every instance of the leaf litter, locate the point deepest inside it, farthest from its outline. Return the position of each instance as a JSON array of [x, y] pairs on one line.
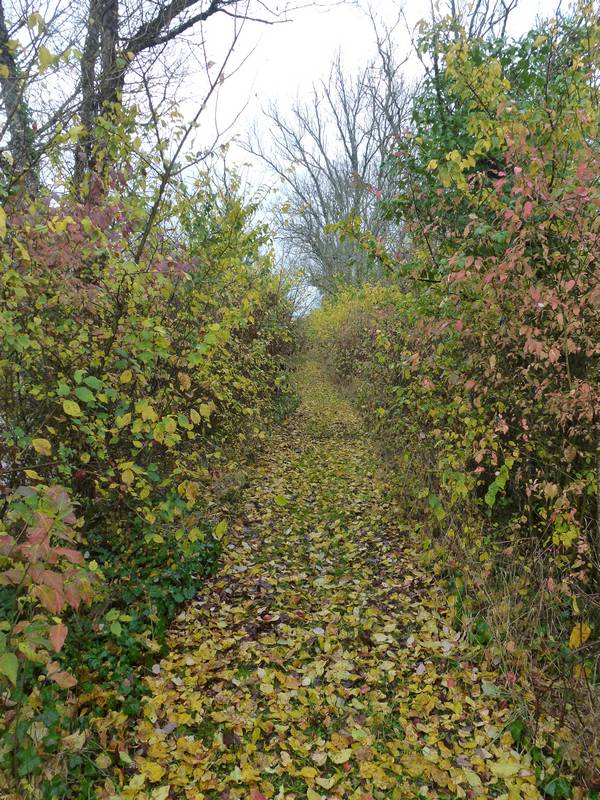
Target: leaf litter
[[321, 662]]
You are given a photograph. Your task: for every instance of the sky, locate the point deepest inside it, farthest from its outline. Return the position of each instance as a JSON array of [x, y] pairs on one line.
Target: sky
[[282, 61]]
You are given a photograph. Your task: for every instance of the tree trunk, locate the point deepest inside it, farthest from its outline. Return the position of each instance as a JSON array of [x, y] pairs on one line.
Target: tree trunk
[[18, 122]]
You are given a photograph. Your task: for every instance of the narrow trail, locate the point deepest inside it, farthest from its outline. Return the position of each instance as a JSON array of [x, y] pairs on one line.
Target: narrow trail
[[320, 662]]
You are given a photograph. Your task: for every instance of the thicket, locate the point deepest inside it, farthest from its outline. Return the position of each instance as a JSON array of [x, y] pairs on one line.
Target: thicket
[[477, 358], [130, 377]]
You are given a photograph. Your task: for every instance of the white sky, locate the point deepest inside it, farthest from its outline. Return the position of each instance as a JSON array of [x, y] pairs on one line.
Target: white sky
[[284, 60]]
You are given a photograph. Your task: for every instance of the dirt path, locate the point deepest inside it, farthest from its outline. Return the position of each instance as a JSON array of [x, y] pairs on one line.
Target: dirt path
[[321, 662]]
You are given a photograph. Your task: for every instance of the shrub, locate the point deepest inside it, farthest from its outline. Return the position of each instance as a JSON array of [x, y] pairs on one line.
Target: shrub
[[480, 361], [126, 386]]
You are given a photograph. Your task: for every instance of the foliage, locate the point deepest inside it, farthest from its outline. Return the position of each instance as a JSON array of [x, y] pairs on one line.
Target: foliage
[[322, 661], [480, 362], [126, 386]]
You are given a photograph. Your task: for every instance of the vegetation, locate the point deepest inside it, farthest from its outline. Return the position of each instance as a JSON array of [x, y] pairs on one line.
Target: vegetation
[[142, 341], [201, 599], [478, 358]]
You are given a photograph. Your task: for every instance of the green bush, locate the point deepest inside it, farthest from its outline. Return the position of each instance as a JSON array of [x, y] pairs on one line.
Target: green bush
[[127, 386]]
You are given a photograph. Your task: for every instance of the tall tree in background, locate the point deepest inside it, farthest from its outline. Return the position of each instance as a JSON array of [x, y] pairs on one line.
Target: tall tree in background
[[330, 153]]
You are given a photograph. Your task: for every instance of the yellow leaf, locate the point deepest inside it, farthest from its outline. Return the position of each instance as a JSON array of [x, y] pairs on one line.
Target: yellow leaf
[[45, 58], [341, 757], [42, 446], [505, 767], [103, 761], [195, 416], [432, 164], [71, 408], [312, 795], [191, 490], [184, 380], [123, 420], [579, 635], [22, 250], [327, 783], [126, 376], [149, 414], [153, 770], [2, 211], [127, 477], [309, 772], [33, 475], [161, 793], [4, 73], [220, 530], [205, 410], [74, 742]]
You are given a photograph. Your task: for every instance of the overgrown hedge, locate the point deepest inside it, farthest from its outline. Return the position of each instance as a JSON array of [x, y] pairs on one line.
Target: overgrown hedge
[[126, 388], [478, 362]]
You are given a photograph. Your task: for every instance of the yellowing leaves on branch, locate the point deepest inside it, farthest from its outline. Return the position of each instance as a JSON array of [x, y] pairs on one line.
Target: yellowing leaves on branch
[[389, 592], [105, 416]]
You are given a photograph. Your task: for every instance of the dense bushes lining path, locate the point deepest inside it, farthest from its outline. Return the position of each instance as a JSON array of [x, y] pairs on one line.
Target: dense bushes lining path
[[322, 660]]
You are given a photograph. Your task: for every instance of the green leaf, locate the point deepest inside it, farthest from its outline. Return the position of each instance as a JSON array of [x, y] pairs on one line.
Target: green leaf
[[84, 394], [559, 789], [9, 666], [93, 382], [281, 501]]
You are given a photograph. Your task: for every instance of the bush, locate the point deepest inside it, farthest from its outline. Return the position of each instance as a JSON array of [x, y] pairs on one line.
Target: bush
[[126, 385], [480, 361]]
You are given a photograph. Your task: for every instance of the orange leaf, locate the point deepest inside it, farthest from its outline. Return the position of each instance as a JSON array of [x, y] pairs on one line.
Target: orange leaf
[[58, 634], [52, 600], [64, 679]]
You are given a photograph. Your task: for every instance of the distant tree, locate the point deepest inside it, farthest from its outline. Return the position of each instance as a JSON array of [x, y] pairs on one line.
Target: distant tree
[[331, 153]]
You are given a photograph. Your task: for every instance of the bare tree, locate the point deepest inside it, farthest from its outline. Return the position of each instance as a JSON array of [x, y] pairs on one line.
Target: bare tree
[[331, 154]]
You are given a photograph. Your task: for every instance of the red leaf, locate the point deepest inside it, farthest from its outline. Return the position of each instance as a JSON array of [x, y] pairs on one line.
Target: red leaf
[[53, 579], [459, 325], [527, 209], [7, 543], [13, 575], [73, 596], [74, 556], [256, 795], [57, 636]]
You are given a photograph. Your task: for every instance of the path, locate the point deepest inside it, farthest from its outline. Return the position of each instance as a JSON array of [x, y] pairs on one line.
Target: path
[[318, 663]]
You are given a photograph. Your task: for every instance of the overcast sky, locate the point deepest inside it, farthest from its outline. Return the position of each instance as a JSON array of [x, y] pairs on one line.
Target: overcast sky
[[284, 60]]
